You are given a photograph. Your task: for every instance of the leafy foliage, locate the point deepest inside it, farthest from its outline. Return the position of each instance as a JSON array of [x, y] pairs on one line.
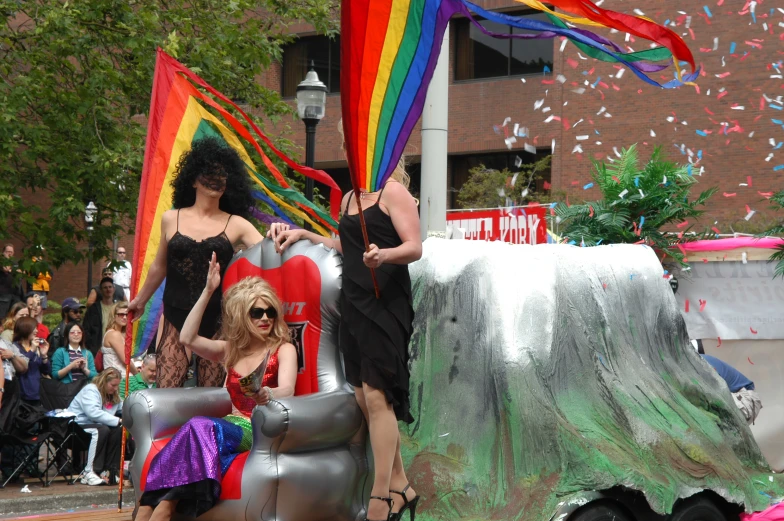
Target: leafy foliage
[[75, 83], [777, 201], [489, 188], [637, 205]]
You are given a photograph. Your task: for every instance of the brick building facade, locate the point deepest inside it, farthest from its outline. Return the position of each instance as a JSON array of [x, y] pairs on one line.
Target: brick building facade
[[726, 126]]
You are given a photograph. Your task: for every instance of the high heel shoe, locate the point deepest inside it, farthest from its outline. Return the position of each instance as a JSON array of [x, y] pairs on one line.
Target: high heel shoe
[[388, 501], [407, 505]]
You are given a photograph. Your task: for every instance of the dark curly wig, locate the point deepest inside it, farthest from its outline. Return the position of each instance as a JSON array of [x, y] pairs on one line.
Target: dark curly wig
[[211, 156]]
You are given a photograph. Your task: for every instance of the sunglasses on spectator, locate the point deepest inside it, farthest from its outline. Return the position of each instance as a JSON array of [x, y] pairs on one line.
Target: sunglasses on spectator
[[121, 253], [258, 313], [122, 314]]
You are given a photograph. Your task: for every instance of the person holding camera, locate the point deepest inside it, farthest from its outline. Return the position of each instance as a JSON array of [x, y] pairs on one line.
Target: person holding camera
[[36, 350], [73, 362]]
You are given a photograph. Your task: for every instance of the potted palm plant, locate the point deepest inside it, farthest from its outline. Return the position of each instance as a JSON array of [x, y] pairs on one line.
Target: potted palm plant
[[646, 204]]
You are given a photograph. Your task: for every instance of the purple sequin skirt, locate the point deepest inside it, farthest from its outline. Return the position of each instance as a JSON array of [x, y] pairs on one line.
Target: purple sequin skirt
[[190, 467]]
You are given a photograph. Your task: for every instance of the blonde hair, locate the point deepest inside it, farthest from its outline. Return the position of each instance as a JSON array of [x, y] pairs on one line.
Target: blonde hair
[[399, 174], [238, 330], [120, 305], [101, 382]]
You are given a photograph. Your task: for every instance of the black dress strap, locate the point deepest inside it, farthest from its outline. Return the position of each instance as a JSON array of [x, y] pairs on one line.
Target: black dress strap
[[227, 223], [178, 219], [378, 200], [348, 201]]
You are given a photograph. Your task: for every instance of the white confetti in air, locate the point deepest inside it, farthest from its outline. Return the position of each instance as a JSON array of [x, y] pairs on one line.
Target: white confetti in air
[[524, 193], [577, 149], [522, 79], [620, 73], [529, 148], [578, 122], [615, 150], [750, 214], [716, 43], [739, 107], [579, 90], [443, 435], [580, 55], [563, 45], [670, 119], [622, 194], [581, 138], [514, 179], [538, 104], [549, 118], [506, 122], [518, 164], [653, 134], [561, 78], [516, 128], [601, 110], [545, 110], [552, 147], [770, 156]]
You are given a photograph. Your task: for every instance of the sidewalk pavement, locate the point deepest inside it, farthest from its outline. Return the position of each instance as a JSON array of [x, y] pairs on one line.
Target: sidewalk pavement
[[60, 497]]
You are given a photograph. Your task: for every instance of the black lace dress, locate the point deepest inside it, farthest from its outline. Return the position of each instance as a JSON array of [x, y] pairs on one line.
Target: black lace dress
[[374, 333], [187, 264]]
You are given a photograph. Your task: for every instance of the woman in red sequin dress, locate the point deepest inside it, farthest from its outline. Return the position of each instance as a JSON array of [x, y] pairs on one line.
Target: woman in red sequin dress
[[185, 477]]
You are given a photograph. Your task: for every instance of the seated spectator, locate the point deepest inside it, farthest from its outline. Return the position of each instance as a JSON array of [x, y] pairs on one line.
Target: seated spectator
[[37, 312], [144, 379], [97, 408], [73, 362], [16, 312], [36, 350], [71, 312], [13, 361], [95, 291], [742, 389], [99, 316], [113, 348]]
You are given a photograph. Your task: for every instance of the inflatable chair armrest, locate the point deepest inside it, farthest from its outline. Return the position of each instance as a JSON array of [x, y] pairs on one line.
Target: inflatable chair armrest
[[303, 423], [157, 413]]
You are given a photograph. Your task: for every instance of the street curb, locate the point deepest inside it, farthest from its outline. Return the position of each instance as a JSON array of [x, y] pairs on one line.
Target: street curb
[[35, 504]]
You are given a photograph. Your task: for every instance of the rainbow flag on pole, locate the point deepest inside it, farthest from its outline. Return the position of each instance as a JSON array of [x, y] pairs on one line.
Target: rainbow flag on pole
[[389, 49], [184, 108]]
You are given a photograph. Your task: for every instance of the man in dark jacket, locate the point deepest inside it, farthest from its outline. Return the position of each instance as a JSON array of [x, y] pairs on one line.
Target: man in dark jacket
[[71, 312], [98, 316], [11, 290]]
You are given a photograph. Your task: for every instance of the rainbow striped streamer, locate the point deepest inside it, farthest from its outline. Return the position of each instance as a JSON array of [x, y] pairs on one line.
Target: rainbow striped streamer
[[389, 50], [180, 113]]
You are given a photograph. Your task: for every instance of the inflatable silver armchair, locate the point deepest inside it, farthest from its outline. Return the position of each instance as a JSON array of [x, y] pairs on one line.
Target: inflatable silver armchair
[[307, 461]]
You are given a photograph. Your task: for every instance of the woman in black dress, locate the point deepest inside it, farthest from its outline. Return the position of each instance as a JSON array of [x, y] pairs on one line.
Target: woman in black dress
[[374, 333], [211, 200]]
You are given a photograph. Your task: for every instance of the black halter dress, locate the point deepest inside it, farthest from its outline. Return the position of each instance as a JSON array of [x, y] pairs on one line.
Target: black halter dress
[[374, 333]]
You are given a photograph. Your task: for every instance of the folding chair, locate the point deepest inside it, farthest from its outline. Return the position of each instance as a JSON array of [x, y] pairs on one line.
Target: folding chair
[[68, 440], [24, 451]]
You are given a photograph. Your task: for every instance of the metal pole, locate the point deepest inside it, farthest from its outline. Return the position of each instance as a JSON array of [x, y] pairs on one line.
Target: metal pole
[[310, 153], [310, 157], [435, 124], [90, 261]]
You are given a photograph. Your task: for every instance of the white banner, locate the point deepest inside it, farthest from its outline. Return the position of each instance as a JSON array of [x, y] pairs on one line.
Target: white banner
[[732, 300]]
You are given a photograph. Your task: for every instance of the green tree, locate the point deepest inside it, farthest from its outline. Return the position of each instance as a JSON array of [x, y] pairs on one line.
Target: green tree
[[75, 83], [489, 188], [777, 201], [638, 204]]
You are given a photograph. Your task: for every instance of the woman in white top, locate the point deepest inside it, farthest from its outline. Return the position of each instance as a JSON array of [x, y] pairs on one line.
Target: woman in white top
[[113, 348]]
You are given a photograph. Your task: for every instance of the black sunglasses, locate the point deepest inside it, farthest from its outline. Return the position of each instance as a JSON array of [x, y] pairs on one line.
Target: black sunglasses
[[258, 313]]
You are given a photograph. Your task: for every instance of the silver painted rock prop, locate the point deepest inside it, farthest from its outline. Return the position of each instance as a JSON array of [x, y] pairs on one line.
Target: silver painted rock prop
[[542, 372], [308, 458]]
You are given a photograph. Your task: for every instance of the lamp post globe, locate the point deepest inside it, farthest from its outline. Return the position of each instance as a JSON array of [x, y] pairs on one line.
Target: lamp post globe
[[311, 106]]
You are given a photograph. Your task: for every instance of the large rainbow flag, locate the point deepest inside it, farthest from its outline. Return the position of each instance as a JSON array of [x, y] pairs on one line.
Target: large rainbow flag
[[185, 108], [389, 49]]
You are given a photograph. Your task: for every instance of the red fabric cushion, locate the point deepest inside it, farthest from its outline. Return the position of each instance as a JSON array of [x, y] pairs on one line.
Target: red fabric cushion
[[157, 446], [231, 486]]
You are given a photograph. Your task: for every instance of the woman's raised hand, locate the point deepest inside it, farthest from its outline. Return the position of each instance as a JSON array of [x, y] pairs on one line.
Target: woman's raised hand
[[213, 275]]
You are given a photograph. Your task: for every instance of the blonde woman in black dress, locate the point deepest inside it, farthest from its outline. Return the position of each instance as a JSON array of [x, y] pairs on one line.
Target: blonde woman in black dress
[[374, 333]]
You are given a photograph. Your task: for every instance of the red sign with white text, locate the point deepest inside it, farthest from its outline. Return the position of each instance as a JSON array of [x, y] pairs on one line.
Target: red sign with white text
[[516, 225]]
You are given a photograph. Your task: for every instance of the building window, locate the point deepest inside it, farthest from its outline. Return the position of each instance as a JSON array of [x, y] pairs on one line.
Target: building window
[[480, 56], [323, 52], [460, 167]]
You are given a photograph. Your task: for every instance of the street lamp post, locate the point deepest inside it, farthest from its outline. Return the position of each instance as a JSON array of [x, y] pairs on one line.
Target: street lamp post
[[89, 219], [311, 104]]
